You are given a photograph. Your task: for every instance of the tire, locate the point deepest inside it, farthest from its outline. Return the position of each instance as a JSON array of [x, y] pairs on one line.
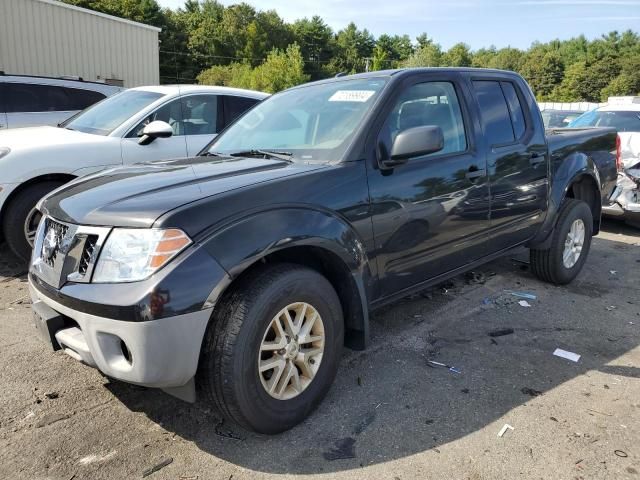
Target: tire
[[549, 265], [13, 224], [228, 373]]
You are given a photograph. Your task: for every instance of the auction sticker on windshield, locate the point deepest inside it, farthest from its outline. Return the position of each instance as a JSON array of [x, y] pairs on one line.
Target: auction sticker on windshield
[[351, 95]]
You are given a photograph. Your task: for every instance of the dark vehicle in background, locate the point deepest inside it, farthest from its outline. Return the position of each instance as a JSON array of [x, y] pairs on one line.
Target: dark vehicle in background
[[559, 118], [241, 273]]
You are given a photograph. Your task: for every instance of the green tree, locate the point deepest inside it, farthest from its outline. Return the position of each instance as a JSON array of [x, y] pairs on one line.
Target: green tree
[[315, 39], [427, 55], [457, 56], [544, 72]]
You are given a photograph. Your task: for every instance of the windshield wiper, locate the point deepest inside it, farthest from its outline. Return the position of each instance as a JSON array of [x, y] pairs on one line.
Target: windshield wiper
[[285, 156]]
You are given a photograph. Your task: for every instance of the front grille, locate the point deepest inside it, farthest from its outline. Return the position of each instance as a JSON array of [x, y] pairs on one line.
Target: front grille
[[89, 249], [55, 232]]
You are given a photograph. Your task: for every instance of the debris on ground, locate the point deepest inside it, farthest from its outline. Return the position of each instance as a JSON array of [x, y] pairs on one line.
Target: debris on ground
[[527, 295], [342, 449], [524, 303], [613, 272], [226, 433], [439, 364], [501, 332], [52, 395], [621, 453], [51, 418], [531, 392], [159, 466], [486, 301], [473, 277], [610, 308], [504, 429], [601, 413], [574, 357]]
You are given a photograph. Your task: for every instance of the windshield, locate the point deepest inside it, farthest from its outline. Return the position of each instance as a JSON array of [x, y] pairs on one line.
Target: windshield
[[313, 123], [621, 121], [104, 117]]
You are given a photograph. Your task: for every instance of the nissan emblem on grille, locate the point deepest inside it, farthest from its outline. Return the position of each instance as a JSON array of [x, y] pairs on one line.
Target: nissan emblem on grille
[[50, 245]]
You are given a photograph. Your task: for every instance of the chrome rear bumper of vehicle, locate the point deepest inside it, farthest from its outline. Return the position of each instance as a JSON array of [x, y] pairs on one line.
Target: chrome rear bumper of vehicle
[[160, 353], [625, 199]]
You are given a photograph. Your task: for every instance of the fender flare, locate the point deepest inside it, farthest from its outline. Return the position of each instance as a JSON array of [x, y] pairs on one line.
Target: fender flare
[[240, 244], [570, 170]]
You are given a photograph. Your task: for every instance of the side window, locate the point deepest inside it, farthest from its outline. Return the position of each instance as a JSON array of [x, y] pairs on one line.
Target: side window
[[200, 114], [236, 106], [429, 103], [170, 113], [515, 108], [25, 97], [494, 112], [79, 99]]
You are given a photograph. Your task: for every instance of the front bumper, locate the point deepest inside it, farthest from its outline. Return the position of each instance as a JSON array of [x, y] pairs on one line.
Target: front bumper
[[160, 353]]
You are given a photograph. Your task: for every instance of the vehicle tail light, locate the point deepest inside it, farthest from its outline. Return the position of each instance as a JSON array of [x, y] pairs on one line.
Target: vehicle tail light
[[618, 153]]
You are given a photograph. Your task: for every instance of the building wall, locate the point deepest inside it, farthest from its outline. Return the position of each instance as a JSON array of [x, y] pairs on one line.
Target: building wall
[[46, 37]]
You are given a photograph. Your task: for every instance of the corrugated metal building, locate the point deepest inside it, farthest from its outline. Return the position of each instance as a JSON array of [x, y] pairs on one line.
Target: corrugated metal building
[[51, 38]]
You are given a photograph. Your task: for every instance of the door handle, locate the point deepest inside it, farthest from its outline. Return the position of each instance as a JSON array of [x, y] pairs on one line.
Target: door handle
[[475, 173], [536, 158]]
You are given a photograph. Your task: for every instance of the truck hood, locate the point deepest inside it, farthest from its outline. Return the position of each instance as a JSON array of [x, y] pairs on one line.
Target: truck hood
[[136, 196]]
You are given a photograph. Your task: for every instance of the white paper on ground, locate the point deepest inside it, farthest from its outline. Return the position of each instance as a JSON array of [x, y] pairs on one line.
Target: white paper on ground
[[524, 303], [574, 357], [504, 429]]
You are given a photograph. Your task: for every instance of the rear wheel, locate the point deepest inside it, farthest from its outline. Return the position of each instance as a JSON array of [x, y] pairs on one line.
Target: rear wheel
[[21, 218], [570, 244], [272, 350]]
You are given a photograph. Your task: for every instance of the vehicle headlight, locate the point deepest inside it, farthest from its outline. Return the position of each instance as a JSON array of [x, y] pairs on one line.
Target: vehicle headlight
[[132, 254], [4, 151]]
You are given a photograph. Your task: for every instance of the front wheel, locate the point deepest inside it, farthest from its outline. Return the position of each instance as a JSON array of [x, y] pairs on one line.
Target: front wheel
[[570, 243], [272, 350]]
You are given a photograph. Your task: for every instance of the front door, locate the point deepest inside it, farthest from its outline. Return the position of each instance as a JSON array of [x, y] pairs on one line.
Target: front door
[[161, 148], [429, 215]]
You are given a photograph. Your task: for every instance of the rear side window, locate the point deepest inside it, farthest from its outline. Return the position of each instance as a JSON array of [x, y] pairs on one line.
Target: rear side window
[[494, 112], [79, 99], [515, 108], [24, 97], [236, 106], [200, 114]]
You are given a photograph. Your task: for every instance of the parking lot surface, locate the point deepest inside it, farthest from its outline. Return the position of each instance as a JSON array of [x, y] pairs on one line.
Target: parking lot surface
[[391, 414]]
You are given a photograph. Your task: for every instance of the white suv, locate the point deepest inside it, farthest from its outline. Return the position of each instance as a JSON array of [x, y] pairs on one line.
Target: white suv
[[27, 101], [623, 114], [137, 125]]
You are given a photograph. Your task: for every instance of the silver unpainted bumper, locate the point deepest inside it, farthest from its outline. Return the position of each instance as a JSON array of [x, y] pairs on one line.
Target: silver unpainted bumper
[[160, 353], [625, 200]]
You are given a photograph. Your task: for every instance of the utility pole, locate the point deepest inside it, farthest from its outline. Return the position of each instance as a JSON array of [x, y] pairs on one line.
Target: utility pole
[[366, 64]]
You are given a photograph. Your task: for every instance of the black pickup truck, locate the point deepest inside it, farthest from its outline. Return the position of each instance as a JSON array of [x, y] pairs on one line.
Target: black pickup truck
[[241, 273]]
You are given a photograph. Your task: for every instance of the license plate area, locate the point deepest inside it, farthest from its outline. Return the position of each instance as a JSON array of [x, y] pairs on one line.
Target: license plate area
[[48, 322]]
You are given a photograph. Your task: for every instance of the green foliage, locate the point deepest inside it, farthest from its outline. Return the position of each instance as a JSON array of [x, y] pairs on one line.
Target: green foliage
[[241, 46], [281, 69]]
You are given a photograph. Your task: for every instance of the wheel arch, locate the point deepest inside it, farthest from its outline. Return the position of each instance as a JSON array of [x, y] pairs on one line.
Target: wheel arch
[[319, 240], [576, 177], [49, 177]]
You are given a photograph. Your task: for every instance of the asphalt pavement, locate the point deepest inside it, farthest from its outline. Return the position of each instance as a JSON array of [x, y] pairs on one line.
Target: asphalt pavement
[[392, 413]]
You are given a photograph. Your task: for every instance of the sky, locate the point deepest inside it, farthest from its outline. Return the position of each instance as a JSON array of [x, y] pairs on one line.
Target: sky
[[479, 23]]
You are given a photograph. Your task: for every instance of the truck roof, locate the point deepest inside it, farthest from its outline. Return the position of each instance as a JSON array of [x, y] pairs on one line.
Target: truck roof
[[407, 71]]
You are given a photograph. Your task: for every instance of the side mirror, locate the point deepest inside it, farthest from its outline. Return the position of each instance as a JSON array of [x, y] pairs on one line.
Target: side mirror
[[157, 129], [414, 142]]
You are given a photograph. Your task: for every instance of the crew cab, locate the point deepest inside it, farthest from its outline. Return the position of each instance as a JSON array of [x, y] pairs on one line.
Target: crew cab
[[136, 125], [237, 276]]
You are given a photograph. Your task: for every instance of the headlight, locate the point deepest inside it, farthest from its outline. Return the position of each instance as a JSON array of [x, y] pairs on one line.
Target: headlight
[[4, 151], [132, 254]]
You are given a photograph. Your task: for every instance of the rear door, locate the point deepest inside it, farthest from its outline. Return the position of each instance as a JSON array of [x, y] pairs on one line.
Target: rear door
[[161, 148], [234, 106], [517, 159], [431, 214]]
